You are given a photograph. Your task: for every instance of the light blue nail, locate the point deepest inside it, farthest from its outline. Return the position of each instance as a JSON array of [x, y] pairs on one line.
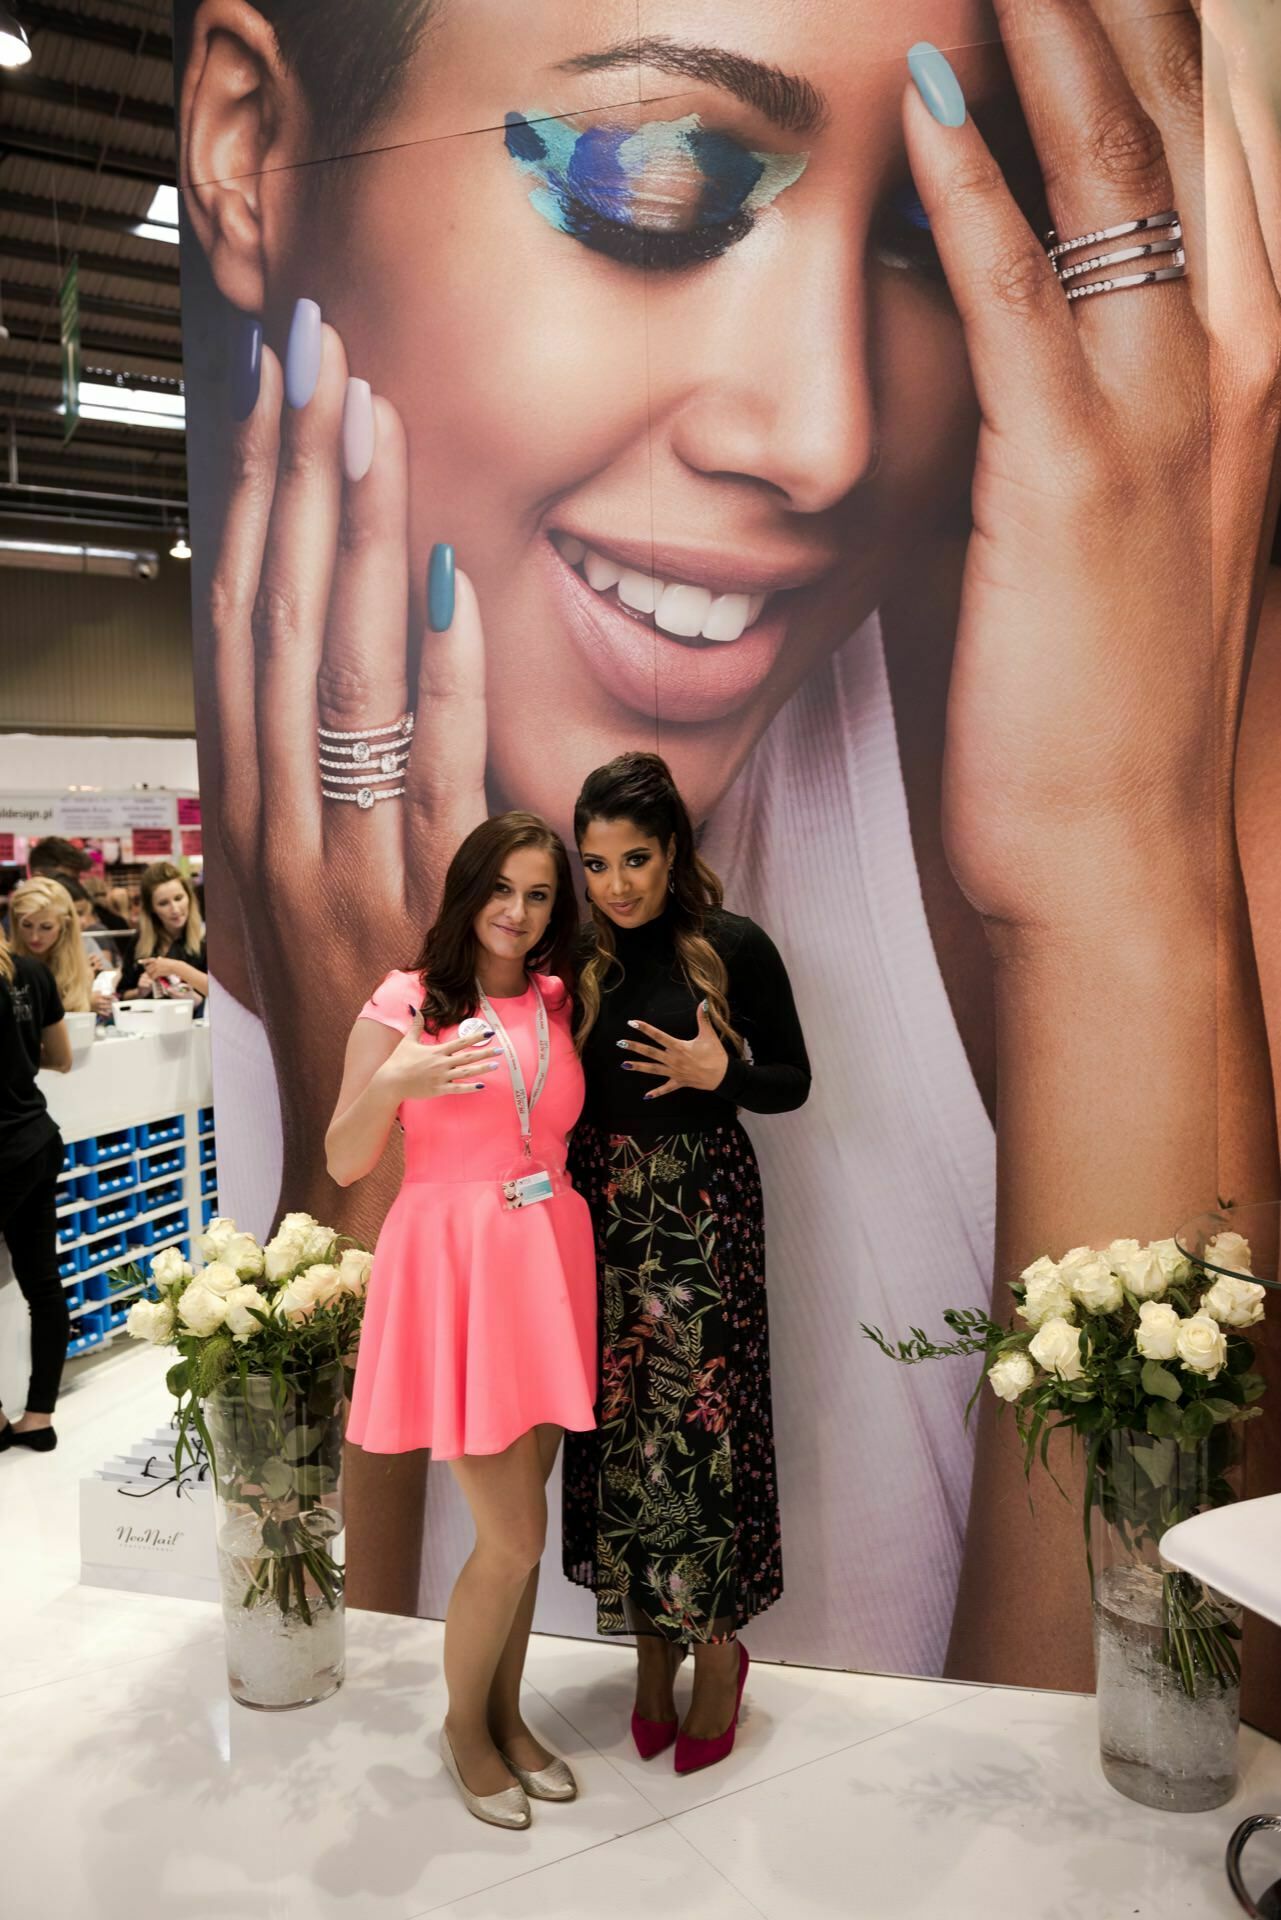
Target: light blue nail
[[936, 83], [440, 589], [302, 355]]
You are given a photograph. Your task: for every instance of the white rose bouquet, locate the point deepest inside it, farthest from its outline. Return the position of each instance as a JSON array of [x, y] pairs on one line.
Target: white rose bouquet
[[1136, 1340], [286, 1316]]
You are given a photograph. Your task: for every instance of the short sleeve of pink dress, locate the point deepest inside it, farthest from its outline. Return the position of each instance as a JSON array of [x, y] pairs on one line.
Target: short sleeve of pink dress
[[480, 1320]]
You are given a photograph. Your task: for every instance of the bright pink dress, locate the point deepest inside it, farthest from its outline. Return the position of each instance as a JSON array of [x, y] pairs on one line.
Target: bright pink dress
[[480, 1321]]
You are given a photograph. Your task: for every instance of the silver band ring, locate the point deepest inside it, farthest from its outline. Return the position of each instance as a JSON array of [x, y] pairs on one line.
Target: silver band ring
[[367, 779], [1167, 225], [405, 726], [366, 796], [385, 763]]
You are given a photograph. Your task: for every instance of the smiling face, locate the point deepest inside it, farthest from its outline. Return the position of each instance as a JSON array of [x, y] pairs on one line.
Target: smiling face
[[627, 871], [681, 380], [514, 919], [171, 907]]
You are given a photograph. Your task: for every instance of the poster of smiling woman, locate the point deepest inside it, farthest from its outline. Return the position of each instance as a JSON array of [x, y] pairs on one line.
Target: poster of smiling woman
[[719, 355]]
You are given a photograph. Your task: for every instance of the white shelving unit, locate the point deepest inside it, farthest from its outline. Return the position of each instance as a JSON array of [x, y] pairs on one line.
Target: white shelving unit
[[110, 1109]]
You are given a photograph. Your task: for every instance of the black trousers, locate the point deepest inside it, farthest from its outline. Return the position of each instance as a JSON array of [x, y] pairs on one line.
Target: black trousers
[[28, 1222]]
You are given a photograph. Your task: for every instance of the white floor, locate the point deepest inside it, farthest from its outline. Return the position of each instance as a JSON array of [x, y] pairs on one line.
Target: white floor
[[131, 1788]]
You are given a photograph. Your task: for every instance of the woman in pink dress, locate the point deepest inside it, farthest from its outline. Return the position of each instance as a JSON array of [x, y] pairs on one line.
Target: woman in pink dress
[[479, 1337]]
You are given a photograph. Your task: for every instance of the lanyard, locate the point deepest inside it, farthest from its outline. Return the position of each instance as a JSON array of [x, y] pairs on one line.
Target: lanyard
[[525, 1102]]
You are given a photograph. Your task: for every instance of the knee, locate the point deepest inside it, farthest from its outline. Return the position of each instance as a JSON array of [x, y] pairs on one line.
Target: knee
[[516, 1553]]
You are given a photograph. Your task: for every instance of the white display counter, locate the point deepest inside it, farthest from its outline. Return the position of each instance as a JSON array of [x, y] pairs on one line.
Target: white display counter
[[136, 1113]]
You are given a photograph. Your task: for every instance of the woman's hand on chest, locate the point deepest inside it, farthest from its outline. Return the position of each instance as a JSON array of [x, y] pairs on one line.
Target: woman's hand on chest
[[700, 1063]]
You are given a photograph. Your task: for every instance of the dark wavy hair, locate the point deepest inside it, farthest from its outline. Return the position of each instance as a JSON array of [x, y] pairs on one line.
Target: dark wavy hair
[[450, 949], [639, 787]]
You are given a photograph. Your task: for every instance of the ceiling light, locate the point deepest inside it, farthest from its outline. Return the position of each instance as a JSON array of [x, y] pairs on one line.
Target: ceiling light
[[160, 222], [180, 550], [15, 48], [132, 406]]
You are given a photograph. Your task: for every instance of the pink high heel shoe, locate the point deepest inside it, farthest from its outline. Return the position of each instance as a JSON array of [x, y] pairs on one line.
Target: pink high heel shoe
[[652, 1737], [692, 1754]]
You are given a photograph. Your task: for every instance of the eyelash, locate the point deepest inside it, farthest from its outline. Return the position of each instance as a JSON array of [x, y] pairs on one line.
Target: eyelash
[[634, 860], [634, 246]]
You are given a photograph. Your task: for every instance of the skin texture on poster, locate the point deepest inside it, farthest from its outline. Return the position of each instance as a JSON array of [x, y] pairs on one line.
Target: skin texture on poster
[[729, 362]]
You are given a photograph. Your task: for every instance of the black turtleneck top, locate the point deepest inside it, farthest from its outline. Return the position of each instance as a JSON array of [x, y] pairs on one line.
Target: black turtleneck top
[[774, 1077]]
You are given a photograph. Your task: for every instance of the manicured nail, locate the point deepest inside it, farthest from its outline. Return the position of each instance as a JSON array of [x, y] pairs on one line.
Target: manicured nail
[[480, 1086], [624, 1043], [440, 589], [936, 83], [302, 355], [357, 430], [246, 365], [627, 1065]]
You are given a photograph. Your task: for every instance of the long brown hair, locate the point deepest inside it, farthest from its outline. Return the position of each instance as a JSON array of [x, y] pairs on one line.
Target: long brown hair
[[639, 787], [450, 951], [153, 936], [66, 959]]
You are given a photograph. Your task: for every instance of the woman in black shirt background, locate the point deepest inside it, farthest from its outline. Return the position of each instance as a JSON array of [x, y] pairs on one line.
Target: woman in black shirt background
[[671, 1505], [32, 1035]]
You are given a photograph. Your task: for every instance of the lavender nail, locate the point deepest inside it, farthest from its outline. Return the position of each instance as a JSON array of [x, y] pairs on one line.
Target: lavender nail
[[302, 355], [357, 430]]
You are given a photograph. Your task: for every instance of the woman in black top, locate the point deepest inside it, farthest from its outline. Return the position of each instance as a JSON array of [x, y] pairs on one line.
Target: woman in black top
[[671, 1505], [32, 1035], [171, 937]]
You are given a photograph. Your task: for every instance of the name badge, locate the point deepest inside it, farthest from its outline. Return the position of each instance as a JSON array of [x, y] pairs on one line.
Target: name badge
[[528, 1190]]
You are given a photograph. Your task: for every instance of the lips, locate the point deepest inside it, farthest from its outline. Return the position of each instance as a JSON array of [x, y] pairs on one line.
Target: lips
[[665, 675]]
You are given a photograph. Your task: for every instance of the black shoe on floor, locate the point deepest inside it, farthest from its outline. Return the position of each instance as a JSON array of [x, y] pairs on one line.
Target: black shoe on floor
[[39, 1439], [6, 1435]]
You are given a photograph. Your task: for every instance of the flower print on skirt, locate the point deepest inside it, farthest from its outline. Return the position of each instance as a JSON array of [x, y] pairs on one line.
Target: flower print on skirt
[[671, 1504]]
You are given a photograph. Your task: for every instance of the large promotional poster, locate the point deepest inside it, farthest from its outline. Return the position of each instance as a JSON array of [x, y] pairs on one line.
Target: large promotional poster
[[720, 344]]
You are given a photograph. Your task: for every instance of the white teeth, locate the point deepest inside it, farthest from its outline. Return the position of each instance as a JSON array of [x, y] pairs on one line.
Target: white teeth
[[682, 610], [727, 617], [685, 612], [639, 591], [601, 573]]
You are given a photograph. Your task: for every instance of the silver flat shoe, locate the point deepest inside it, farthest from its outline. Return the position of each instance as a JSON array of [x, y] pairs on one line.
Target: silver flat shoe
[[510, 1808], [552, 1782]]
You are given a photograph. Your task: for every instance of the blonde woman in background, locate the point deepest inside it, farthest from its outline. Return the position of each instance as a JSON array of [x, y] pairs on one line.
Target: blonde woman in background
[[171, 935], [43, 918]]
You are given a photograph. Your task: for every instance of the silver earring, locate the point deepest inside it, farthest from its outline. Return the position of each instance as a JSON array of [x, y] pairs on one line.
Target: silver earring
[[671, 880]]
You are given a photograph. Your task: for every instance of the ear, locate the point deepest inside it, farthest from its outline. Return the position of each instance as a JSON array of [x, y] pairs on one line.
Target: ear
[[241, 118]]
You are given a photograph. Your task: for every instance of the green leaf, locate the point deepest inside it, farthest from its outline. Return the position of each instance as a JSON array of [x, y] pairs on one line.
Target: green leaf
[[1157, 1463], [1159, 1381], [315, 1479], [301, 1442], [276, 1479], [1198, 1421], [1163, 1419], [176, 1379], [1222, 1409]]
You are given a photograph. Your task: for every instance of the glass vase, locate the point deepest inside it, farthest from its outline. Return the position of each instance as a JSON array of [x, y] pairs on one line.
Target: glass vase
[[1166, 1646], [277, 1455]]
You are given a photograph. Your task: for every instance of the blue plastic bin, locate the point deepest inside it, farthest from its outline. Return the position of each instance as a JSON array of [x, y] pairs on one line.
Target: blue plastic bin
[[205, 1120], [107, 1146], [74, 1296], [209, 1180], [208, 1150], [159, 1226], [116, 1212], [117, 1176], [157, 1165], [70, 1264], [208, 1208], [159, 1133]]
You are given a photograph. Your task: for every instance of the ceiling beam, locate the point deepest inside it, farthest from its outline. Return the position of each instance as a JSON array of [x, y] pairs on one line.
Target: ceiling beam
[[23, 84], [121, 165], [37, 206], [49, 256], [74, 25], [93, 341], [22, 293], [27, 409]]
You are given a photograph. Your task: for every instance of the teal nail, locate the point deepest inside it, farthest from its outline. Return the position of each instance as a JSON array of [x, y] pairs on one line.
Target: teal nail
[[440, 589], [936, 83]]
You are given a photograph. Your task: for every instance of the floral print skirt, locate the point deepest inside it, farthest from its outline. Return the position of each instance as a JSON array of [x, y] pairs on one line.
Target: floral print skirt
[[671, 1504]]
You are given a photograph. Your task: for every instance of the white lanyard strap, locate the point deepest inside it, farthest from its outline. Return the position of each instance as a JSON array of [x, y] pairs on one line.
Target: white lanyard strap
[[525, 1101]]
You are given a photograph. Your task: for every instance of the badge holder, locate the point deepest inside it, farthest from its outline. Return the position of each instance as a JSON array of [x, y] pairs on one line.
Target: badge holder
[[528, 1183]]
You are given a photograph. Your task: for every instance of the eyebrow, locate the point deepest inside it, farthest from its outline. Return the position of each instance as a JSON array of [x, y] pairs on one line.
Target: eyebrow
[[795, 105]]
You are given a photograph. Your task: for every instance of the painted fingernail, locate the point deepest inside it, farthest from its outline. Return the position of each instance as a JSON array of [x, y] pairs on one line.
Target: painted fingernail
[[357, 430], [246, 365], [624, 1043], [302, 355], [936, 83], [627, 1065], [440, 589]]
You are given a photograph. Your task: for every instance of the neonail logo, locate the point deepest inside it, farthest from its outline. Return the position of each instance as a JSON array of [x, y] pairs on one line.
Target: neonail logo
[[128, 1536]]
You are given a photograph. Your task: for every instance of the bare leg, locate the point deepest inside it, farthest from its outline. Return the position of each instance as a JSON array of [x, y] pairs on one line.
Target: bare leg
[[711, 1707], [506, 1724], [508, 1502], [30, 1422], [657, 1661]]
